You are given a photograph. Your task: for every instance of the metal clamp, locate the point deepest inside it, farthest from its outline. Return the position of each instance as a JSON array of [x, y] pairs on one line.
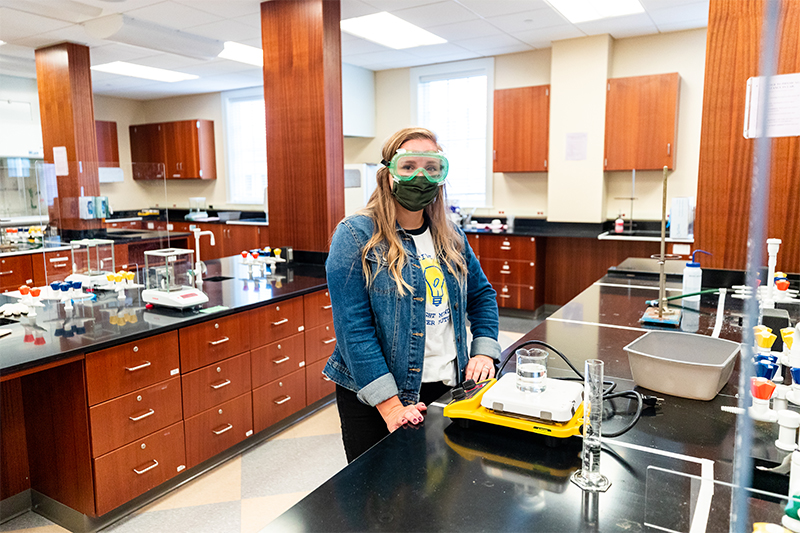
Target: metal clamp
[[134, 368], [222, 384], [137, 418], [332, 339], [214, 343], [152, 466], [279, 361], [279, 322], [284, 400], [223, 430]]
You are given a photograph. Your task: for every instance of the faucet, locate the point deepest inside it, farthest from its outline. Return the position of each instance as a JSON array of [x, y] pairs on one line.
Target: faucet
[[199, 266]]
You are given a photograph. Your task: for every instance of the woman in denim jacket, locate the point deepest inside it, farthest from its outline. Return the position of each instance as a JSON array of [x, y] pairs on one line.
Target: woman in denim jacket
[[402, 280]]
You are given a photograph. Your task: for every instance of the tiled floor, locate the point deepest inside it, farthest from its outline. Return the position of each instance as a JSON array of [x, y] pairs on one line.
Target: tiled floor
[[249, 491]]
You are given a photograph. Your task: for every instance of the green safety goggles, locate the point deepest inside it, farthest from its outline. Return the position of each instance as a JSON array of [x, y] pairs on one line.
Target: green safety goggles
[[406, 166]]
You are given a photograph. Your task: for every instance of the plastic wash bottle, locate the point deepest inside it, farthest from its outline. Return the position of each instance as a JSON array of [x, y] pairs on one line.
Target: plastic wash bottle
[[693, 277]]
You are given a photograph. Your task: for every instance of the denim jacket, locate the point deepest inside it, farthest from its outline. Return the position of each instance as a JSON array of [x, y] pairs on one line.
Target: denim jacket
[[380, 335]]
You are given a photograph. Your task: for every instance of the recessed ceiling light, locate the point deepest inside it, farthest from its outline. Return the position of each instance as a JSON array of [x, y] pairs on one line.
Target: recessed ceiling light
[[243, 53], [388, 30], [2, 43], [139, 71], [577, 11]]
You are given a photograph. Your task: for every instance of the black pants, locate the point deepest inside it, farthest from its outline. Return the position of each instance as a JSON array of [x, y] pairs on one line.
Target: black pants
[[363, 426]]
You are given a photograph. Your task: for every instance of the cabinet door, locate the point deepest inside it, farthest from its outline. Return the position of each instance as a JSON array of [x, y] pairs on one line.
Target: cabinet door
[[641, 121], [263, 236], [521, 129], [181, 149], [16, 270], [107, 144], [147, 151], [239, 238], [206, 250]]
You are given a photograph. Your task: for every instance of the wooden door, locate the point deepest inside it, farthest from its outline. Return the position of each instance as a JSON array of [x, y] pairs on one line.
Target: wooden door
[[240, 238], [206, 250], [641, 122], [181, 149], [521, 129], [147, 151]]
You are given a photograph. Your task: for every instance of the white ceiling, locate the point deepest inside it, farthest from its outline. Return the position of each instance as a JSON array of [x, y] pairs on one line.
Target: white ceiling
[[473, 28]]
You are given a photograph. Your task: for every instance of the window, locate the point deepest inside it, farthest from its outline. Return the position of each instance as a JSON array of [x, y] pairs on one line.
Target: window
[[246, 148], [455, 101]]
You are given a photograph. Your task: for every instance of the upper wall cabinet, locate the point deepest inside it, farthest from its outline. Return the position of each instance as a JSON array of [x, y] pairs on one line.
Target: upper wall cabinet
[[107, 152], [641, 122], [358, 101], [521, 129], [175, 150]]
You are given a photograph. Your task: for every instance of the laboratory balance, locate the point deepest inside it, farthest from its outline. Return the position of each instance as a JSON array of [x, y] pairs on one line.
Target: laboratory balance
[[92, 261], [169, 279]]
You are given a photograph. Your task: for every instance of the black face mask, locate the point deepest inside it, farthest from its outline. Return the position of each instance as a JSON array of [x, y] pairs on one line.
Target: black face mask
[[416, 193]]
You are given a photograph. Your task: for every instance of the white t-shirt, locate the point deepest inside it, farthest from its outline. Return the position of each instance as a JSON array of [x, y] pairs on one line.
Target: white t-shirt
[[440, 340]]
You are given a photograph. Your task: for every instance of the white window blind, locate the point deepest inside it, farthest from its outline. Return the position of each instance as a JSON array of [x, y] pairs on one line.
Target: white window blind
[[247, 149], [454, 101]]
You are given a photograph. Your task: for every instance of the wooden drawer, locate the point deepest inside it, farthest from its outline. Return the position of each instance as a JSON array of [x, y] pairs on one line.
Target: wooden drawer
[[214, 384], [16, 270], [126, 368], [515, 296], [278, 321], [509, 272], [218, 428], [117, 422], [54, 266], [277, 359], [317, 384], [131, 224], [138, 467], [317, 309], [508, 248], [279, 399], [475, 242], [320, 342], [214, 341]]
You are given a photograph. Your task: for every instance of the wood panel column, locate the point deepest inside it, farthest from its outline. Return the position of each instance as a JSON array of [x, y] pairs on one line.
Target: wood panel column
[[303, 99], [726, 157], [67, 111]]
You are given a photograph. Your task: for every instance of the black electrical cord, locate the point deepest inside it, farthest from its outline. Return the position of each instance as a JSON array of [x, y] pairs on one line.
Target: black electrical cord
[[608, 393]]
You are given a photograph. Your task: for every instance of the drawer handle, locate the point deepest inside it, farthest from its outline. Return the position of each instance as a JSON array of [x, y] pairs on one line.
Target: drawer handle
[[59, 265], [332, 339], [279, 322], [214, 343], [327, 306], [135, 368], [59, 259], [326, 378], [505, 272], [152, 466], [223, 430], [504, 295], [505, 247], [279, 361], [6, 273], [137, 418], [222, 384], [284, 400]]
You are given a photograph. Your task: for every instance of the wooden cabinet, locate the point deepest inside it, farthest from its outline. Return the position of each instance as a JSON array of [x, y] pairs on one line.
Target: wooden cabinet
[[107, 144], [318, 385], [217, 429], [16, 270], [521, 129], [279, 320], [215, 384], [317, 309], [175, 150], [237, 238], [130, 224], [277, 359], [55, 266], [215, 340], [510, 265], [279, 399], [641, 122]]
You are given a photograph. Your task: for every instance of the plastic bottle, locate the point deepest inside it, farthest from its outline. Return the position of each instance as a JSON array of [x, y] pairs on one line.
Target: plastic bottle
[[619, 225], [693, 278]]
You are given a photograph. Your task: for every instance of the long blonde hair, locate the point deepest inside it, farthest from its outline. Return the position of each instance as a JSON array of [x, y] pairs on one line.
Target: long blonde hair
[[381, 208]]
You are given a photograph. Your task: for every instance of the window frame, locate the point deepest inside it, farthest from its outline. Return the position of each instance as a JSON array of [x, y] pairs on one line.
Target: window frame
[[462, 69], [227, 98]]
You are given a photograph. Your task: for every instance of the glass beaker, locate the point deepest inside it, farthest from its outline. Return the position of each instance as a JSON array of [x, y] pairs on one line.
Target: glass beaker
[[531, 370]]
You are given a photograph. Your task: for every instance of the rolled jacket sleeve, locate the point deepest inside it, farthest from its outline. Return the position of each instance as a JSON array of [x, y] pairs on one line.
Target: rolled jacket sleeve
[[354, 321]]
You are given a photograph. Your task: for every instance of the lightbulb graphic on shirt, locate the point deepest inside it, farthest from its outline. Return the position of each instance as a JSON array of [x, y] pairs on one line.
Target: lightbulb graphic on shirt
[[434, 279]]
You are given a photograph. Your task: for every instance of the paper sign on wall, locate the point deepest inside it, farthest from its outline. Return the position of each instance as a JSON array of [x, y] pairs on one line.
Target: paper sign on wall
[[781, 111], [60, 160], [576, 146]]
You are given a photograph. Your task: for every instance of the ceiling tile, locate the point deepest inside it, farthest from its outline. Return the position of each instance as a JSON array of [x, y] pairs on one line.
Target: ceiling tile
[[494, 41], [24, 67], [219, 67], [250, 20], [14, 50], [393, 5], [521, 47], [529, 20], [173, 15], [168, 61], [651, 5], [119, 7], [356, 8], [19, 25], [226, 30], [684, 13], [227, 9], [435, 14], [496, 8], [620, 27], [465, 30], [544, 37], [74, 33], [118, 52], [683, 25], [360, 46], [389, 56], [436, 50]]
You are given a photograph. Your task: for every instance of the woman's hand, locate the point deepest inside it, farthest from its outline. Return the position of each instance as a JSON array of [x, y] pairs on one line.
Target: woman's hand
[[395, 414], [479, 368]]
